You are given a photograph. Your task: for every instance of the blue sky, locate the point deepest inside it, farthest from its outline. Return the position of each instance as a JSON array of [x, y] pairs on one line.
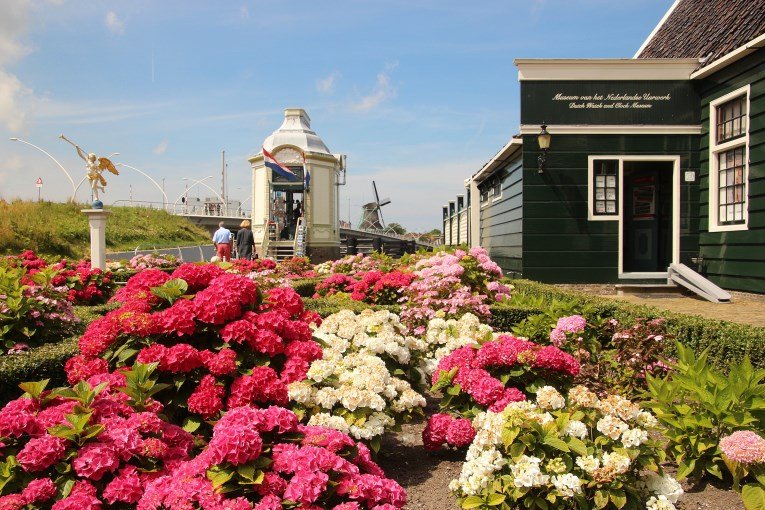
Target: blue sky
[[419, 94]]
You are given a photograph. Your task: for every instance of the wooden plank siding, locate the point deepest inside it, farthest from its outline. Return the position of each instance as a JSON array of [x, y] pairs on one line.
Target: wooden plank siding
[[559, 243], [736, 259], [501, 220]]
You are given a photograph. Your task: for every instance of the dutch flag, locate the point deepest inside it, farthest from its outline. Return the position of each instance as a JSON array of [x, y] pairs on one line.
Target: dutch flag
[[277, 167]]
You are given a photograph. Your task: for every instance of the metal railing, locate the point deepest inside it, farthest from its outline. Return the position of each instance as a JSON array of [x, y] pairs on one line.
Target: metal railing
[[209, 209]]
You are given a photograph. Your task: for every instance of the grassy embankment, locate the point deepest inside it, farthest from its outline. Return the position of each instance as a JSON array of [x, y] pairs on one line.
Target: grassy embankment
[[62, 230]]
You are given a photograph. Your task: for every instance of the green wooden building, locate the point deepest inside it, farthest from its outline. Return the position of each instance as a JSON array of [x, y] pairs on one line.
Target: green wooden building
[[653, 160]]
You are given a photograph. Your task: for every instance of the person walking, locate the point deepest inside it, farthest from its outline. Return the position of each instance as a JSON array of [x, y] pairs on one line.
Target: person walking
[[222, 241], [244, 241]]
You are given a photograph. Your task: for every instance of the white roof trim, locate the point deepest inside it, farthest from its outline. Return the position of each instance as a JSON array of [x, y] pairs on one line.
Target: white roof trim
[[512, 146], [605, 69], [656, 29], [729, 58], [589, 129]]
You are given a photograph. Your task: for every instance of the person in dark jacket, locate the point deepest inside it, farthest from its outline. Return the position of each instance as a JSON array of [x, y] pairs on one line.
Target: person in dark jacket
[[245, 241]]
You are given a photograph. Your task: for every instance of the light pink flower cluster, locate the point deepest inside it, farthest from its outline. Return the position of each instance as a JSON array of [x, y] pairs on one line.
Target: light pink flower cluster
[[477, 373], [572, 324], [744, 446]]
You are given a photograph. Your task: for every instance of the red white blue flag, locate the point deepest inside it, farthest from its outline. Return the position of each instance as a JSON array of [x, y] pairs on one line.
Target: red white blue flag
[[277, 167], [306, 173]]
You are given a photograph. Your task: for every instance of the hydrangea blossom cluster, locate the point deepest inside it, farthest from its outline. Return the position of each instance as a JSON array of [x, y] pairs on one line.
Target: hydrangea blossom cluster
[[452, 285], [572, 324], [569, 452], [381, 288], [744, 446], [351, 388], [263, 456], [444, 429], [88, 439], [153, 260], [82, 284], [32, 311], [498, 372], [219, 346]]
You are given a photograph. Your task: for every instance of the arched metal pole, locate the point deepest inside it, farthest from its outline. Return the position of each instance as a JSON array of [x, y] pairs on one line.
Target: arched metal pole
[[148, 177], [68, 176]]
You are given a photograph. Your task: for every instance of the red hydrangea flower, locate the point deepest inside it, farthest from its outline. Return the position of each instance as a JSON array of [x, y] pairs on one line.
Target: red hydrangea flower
[[125, 487], [460, 433], [207, 398], [41, 452], [39, 491], [221, 363], [79, 368], [434, 434]]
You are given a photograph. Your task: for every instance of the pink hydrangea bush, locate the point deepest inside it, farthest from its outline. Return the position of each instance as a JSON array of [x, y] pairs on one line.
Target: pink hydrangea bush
[[450, 285], [334, 284], [491, 376], [216, 340], [86, 446], [263, 457], [379, 288], [443, 429]]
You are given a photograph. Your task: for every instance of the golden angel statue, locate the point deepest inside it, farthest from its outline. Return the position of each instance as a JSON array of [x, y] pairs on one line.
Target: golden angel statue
[[95, 167]]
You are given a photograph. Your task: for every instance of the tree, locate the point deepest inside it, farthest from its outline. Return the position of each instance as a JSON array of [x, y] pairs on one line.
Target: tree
[[397, 228]]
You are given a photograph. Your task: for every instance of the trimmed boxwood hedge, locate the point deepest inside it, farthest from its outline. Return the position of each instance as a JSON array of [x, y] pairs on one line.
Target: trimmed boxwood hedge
[[728, 342], [46, 361]]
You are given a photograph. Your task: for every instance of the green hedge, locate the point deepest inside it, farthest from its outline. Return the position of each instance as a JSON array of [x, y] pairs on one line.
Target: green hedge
[[46, 361], [727, 342], [326, 307], [306, 287]]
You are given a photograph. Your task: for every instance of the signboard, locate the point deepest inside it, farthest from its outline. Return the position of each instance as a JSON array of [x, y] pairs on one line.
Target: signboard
[[609, 103], [39, 182]]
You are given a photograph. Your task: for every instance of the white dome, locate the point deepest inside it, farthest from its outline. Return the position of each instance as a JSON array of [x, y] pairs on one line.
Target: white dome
[[296, 131]]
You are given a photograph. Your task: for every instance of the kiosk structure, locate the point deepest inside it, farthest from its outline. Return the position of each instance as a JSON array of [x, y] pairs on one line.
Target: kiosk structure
[[299, 214]]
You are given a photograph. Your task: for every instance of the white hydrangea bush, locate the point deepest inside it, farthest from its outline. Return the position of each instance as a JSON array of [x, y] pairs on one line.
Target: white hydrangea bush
[[353, 388], [579, 452]]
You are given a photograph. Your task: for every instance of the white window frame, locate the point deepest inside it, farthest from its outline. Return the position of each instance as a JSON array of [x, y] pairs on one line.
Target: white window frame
[[495, 197], [714, 164], [591, 188]]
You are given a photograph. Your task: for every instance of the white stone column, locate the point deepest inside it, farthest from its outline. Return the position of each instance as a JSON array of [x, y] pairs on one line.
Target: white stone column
[[97, 220]]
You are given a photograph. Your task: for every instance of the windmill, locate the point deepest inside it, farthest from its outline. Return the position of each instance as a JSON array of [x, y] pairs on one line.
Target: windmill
[[372, 218]]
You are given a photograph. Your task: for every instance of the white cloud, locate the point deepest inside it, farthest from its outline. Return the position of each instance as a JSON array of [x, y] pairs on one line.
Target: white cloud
[[114, 23], [327, 85], [13, 26], [244, 12], [382, 91], [161, 148]]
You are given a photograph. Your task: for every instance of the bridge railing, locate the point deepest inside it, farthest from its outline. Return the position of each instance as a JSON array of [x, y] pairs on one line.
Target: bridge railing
[[209, 209], [390, 233]]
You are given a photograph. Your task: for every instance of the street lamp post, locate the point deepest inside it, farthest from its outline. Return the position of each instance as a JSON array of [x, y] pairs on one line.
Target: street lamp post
[[148, 177], [68, 176]]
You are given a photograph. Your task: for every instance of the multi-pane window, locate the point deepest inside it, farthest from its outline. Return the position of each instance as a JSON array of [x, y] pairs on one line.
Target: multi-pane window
[[605, 187], [496, 188], [731, 119], [728, 161], [730, 179]]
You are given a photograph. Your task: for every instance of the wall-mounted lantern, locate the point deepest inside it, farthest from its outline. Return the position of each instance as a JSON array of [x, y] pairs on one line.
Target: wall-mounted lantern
[[543, 138]]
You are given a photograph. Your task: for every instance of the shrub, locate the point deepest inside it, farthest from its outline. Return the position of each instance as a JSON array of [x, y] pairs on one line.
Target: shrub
[[497, 373], [699, 405], [34, 311], [581, 453]]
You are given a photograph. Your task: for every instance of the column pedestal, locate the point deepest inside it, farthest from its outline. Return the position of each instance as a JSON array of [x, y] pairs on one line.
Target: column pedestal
[[97, 220]]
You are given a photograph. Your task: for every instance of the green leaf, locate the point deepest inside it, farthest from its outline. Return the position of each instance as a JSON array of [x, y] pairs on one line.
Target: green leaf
[[495, 499], [577, 446], [34, 389], [557, 443], [471, 502], [218, 476], [601, 499], [171, 290], [191, 424], [618, 498], [753, 497]]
